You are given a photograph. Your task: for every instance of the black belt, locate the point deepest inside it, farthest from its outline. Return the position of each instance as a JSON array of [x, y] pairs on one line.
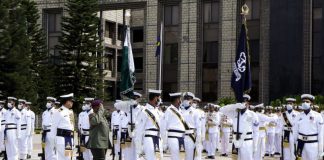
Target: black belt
[[177, 131], [85, 129], [152, 129], [10, 128], [241, 133], [248, 139], [64, 133], [47, 130], [24, 125]]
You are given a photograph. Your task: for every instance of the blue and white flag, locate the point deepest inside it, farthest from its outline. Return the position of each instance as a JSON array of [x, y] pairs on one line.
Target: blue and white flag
[[241, 78]]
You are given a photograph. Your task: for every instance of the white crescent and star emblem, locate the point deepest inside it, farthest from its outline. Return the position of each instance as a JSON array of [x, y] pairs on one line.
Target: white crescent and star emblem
[[240, 66]]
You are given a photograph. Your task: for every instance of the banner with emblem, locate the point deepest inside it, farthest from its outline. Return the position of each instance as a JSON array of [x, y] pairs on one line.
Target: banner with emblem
[[241, 78]]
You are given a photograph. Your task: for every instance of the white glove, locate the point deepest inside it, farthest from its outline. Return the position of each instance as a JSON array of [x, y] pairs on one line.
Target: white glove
[[132, 134], [138, 147], [240, 106], [165, 147]]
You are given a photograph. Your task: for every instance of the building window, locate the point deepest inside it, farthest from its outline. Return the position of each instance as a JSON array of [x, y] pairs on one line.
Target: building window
[[120, 32], [170, 54], [110, 30], [211, 12], [210, 52], [254, 6], [254, 52], [138, 61], [138, 35], [54, 22], [171, 15]]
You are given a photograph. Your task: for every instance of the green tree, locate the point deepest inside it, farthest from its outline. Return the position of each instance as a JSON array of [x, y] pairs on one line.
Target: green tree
[[15, 52], [79, 46], [42, 71]]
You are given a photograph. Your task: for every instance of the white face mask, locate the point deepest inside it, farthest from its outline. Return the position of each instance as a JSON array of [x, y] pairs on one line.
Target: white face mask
[[305, 106], [262, 111], [194, 105], [185, 103], [84, 107], [9, 105], [20, 106], [48, 105], [289, 107], [159, 102], [87, 106]]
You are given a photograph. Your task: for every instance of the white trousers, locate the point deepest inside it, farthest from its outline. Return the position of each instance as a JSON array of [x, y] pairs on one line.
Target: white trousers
[[258, 155], [270, 143], [12, 144], [173, 145], [213, 141], [2, 145], [49, 148], [87, 155], [310, 151], [22, 145], [130, 151], [277, 143], [289, 151], [225, 142], [60, 148], [246, 151], [30, 144], [189, 148], [148, 147]]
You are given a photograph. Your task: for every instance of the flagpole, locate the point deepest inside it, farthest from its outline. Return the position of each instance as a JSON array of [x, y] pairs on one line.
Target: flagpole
[[161, 56]]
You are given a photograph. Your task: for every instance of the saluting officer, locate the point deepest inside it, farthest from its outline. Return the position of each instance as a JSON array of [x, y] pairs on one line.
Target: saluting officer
[[246, 129], [84, 127], [308, 131], [63, 128], [12, 129], [173, 133], [148, 129], [47, 121], [2, 127]]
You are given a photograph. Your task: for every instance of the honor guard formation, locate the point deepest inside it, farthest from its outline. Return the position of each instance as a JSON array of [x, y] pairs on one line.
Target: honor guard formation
[[184, 129]]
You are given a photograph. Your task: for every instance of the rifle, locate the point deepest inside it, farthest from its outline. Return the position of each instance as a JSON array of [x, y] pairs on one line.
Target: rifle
[[80, 157], [42, 155]]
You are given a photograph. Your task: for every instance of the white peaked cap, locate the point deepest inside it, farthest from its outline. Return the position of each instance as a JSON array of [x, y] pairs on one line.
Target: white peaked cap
[[178, 94], [307, 96], [12, 98], [290, 99], [190, 94], [155, 91], [51, 98], [67, 95], [137, 94]]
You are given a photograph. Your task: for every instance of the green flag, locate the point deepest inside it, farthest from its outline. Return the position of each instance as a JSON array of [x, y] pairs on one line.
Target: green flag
[[128, 68]]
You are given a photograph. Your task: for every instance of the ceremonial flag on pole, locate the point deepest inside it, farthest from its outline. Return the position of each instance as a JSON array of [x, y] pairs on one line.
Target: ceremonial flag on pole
[[241, 78], [128, 68]]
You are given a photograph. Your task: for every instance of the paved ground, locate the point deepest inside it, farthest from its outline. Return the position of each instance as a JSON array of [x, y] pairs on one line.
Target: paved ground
[[37, 149]]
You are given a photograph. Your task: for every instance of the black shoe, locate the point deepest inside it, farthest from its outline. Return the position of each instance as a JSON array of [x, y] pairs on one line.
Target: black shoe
[[223, 155], [204, 151], [28, 156], [271, 155], [211, 157], [267, 154]]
